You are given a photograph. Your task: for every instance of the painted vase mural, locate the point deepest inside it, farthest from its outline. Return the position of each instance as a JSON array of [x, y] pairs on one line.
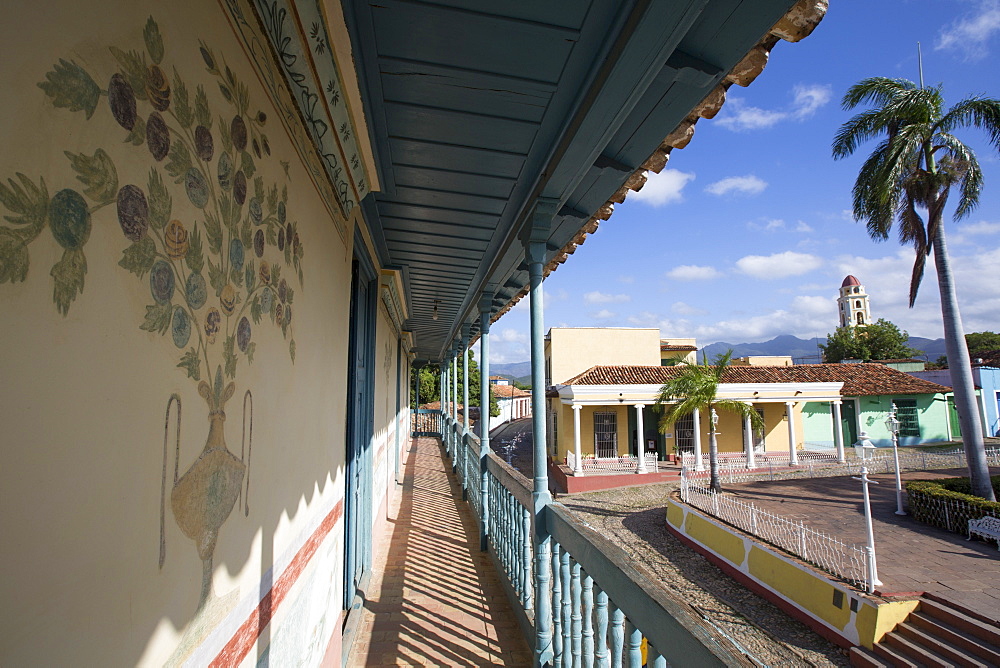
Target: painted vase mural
[[208, 239]]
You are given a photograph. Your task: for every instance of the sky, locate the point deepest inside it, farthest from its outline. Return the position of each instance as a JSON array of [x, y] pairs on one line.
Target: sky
[[747, 233]]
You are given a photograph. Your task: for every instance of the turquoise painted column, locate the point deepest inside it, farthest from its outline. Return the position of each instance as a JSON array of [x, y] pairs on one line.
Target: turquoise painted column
[[455, 348], [464, 449], [534, 255], [443, 385], [485, 311], [416, 400]]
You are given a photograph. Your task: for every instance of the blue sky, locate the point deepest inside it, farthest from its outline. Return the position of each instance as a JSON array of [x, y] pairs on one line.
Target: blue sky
[[747, 233]]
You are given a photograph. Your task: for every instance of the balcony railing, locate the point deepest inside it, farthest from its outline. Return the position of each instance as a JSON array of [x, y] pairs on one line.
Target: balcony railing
[[611, 465], [601, 609]]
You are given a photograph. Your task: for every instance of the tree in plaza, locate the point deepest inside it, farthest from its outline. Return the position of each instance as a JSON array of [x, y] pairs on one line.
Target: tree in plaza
[[908, 178], [696, 387], [429, 378], [978, 342], [881, 340]]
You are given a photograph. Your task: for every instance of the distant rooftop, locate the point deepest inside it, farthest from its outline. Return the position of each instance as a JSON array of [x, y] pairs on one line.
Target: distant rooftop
[[865, 379], [850, 281]]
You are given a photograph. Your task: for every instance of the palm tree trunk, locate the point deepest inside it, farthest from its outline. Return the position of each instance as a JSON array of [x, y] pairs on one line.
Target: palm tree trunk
[[961, 372], [713, 460]]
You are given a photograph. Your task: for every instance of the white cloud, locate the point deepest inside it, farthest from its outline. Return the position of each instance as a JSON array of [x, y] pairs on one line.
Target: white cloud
[[741, 116], [691, 272], [960, 233], [767, 225], [802, 226], [749, 185], [806, 100], [778, 265], [628, 280], [972, 33], [686, 309], [643, 319], [604, 314], [603, 298], [663, 188]]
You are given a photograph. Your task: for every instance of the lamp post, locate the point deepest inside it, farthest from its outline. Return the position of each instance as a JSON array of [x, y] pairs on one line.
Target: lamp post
[[892, 424], [872, 579]]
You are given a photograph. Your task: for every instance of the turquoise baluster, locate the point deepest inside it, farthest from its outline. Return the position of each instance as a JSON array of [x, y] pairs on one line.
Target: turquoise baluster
[[528, 600], [634, 638], [601, 656], [576, 614], [587, 598], [567, 597], [617, 636], [557, 636]]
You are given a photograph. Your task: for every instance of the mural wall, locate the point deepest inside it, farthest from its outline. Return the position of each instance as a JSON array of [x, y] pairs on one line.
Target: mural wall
[[176, 281]]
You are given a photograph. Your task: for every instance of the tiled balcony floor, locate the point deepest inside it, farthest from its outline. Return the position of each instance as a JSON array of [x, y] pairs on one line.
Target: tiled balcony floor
[[434, 598]]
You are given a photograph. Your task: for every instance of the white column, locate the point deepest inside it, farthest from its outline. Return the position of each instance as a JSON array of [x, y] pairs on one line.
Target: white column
[[576, 439], [838, 430], [641, 449], [698, 465], [793, 456], [748, 440]]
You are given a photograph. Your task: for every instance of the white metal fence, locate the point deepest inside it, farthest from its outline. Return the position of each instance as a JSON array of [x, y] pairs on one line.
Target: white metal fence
[[735, 468], [610, 465], [847, 561]]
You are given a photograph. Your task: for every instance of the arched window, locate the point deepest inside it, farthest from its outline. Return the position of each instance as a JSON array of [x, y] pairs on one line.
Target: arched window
[[857, 304], [861, 318]]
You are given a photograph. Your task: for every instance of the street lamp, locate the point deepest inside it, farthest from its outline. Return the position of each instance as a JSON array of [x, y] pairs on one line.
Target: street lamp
[[892, 424], [864, 448], [872, 579]]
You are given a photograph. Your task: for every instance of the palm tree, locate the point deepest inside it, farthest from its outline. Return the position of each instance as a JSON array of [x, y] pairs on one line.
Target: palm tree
[[912, 171], [695, 388]]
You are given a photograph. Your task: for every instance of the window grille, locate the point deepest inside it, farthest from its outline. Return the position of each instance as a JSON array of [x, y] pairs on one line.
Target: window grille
[[684, 434], [906, 413], [606, 433]]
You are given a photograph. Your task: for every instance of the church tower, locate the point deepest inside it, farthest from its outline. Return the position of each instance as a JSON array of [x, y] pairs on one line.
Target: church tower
[[853, 303]]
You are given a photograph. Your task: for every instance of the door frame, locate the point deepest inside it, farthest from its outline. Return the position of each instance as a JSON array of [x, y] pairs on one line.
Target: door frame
[[359, 427]]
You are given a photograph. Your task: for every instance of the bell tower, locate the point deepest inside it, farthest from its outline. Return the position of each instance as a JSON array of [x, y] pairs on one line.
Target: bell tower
[[853, 304]]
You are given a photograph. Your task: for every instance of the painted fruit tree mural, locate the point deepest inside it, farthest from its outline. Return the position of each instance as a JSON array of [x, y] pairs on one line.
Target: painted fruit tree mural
[[208, 239]]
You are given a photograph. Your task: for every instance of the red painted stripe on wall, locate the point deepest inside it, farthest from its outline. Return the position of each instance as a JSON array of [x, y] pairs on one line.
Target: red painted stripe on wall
[[243, 641]]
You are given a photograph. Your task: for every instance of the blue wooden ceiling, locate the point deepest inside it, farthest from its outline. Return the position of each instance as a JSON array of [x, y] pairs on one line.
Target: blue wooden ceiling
[[476, 110]]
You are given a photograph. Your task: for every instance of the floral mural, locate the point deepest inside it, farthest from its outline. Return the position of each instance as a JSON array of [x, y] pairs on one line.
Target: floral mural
[[206, 237]]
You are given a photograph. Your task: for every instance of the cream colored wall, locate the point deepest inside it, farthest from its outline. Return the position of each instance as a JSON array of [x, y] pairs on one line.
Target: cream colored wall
[[84, 395], [730, 430], [574, 350], [587, 445]]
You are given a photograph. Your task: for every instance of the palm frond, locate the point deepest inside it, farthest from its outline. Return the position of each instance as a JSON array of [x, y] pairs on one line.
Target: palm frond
[[877, 90], [975, 112], [916, 276]]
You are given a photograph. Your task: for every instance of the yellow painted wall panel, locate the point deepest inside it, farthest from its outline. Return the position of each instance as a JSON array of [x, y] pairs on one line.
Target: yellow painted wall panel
[[714, 537], [810, 591]]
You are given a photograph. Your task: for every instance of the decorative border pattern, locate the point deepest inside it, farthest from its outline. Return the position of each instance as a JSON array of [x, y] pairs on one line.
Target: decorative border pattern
[[248, 28]]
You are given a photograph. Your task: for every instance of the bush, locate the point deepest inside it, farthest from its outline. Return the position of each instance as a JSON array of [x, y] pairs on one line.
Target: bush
[[948, 504]]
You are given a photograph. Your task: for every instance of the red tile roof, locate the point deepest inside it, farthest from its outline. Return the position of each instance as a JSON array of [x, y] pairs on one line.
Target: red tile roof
[[858, 379], [508, 391], [668, 346]]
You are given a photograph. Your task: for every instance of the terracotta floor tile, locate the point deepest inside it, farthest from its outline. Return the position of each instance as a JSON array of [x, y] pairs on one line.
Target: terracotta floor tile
[[434, 599]]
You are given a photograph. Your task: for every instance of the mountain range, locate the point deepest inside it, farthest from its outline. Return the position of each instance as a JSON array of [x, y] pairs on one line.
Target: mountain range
[[802, 351]]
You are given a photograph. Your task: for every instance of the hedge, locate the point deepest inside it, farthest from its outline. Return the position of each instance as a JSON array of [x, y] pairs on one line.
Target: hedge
[[948, 504]]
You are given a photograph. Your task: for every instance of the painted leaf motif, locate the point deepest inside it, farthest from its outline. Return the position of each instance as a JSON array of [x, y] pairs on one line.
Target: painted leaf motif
[[251, 347], [191, 364], [154, 42], [139, 257], [138, 135], [13, 256], [67, 275], [247, 165], [179, 162], [134, 68], [28, 202], [255, 310], [213, 230], [159, 200], [182, 103], [202, 115], [70, 87], [291, 350], [229, 357], [97, 173], [195, 258], [158, 318], [251, 276], [216, 277]]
